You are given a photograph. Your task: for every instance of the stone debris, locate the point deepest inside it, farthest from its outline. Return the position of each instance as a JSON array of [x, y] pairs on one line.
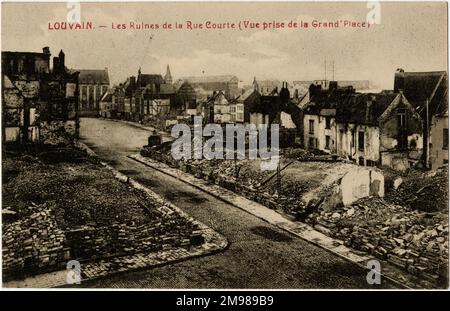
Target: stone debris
[[34, 242], [397, 228], [427, 192], [409, 239], [87, 215]]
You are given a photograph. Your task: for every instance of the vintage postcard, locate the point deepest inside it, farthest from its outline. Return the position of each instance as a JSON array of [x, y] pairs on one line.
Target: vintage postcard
[[224, 145]]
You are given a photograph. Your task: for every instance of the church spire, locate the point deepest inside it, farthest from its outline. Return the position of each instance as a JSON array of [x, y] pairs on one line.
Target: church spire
[[168, 76], [255, 85]]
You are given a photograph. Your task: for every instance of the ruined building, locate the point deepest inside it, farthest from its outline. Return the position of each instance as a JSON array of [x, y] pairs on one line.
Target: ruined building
[[367, 128], [39, 103], [428, 94]]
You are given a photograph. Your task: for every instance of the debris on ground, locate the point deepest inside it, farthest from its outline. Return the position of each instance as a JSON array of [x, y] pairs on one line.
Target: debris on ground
[[75, 208], [408, 228]]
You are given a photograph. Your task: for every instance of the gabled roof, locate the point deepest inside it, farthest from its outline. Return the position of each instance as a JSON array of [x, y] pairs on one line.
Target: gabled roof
[[216, 96], [187, 92], [420, 86], [246, 95], [364, 108], [303, 101], [146, 79], [93, 76], [267, 104]]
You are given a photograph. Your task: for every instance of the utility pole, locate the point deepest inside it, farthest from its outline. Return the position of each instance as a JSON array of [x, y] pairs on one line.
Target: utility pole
[[333, 70], [325, 72], [278, 178], [427, 154]]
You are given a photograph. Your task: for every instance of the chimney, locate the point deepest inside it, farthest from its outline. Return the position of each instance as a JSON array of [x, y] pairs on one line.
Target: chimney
[[399, 80], [314, 90], [62, 58], [284, 93], [333, 85], [56, 64], [46, 50]]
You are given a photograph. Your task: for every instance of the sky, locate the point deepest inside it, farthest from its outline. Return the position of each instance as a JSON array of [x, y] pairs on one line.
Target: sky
[[412, 36]]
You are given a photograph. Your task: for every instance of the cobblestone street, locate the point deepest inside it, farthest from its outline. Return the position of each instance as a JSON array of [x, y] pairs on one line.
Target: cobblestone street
[[259, 255]]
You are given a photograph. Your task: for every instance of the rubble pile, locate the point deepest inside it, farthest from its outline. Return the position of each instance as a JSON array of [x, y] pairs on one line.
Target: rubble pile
[[248, 184], [423, 191], [80, 194], [119, 239], [56, 212], [33, 243], [412, 240], [408, 228], [300, 154]]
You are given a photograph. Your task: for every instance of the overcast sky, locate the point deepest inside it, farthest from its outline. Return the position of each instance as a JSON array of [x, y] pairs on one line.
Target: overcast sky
[[412, 36]]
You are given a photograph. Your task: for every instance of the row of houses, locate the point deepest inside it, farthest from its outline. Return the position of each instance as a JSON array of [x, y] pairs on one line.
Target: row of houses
[[398, 128], [152, 97]]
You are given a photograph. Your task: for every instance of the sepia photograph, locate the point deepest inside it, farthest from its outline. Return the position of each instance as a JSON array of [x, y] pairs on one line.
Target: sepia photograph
[[224, 145]]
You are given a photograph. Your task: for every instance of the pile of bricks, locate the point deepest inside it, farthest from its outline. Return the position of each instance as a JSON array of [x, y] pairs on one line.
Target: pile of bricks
[[411, 240], [33, 243], [88, 242], [223, 173]]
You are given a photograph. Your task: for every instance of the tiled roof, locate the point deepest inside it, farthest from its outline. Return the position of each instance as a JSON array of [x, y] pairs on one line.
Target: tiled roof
[[420, 86], [363, 108], [187, 92], [145, 79], [246, 94]]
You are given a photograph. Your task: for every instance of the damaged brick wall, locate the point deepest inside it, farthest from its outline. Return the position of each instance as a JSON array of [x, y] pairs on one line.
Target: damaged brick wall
[[121, 239], [33, 97], [58, 132], [401, 139], [348, 144]]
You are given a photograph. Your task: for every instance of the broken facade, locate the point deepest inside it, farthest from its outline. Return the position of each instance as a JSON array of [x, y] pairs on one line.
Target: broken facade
[[319, 116], [368, 129], [439, 140], [40, 104], [428, 94]]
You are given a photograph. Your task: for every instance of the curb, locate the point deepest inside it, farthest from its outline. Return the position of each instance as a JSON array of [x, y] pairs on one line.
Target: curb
[[214, 243], [137, 125], [298, 229]]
